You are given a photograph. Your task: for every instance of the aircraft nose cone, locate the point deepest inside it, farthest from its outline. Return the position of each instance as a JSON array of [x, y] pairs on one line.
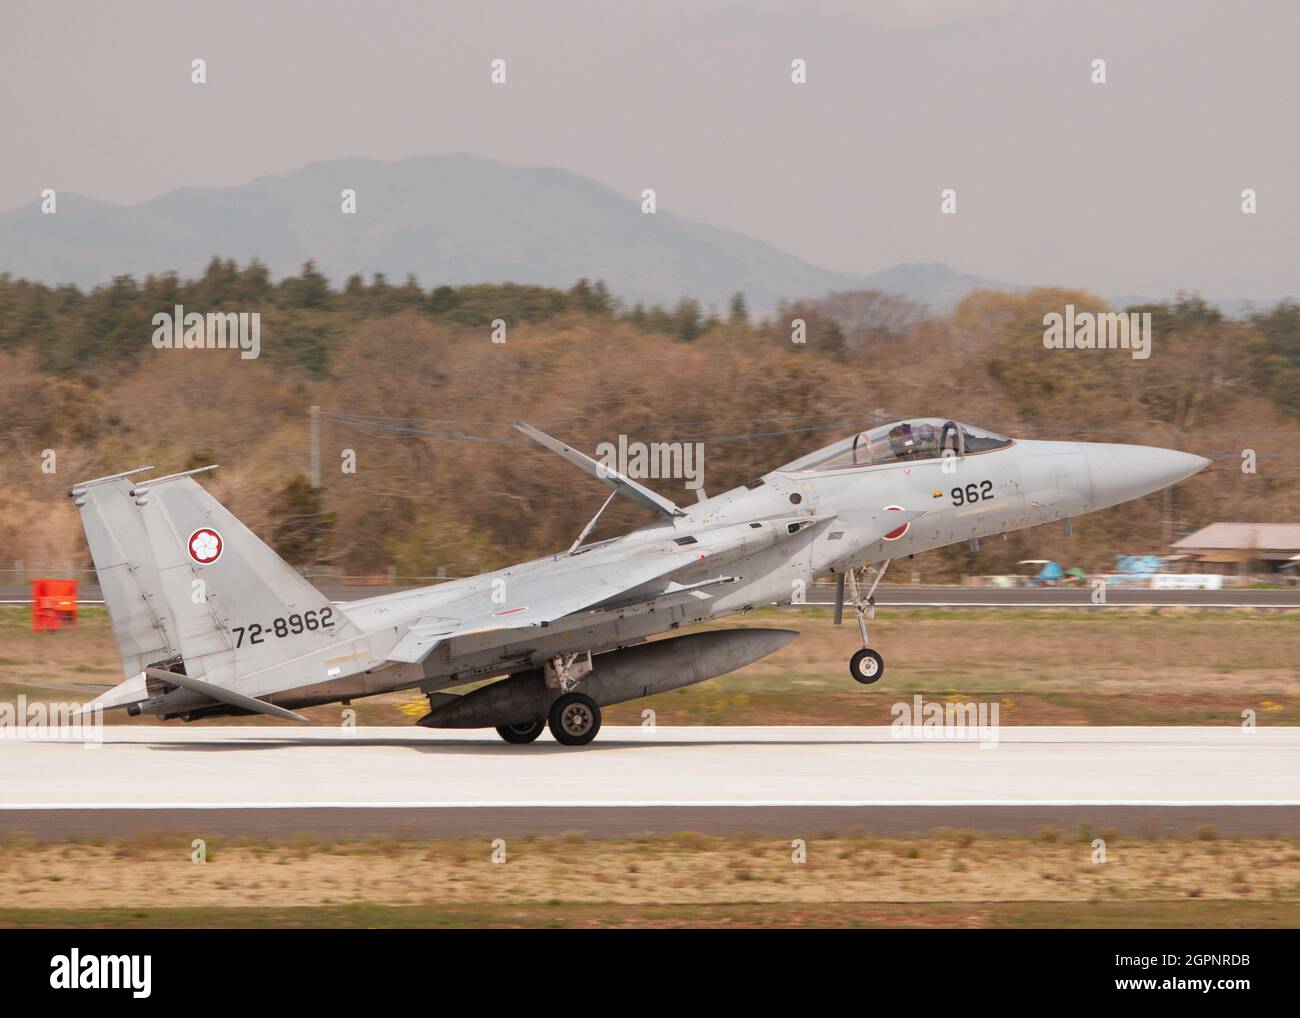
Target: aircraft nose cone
[[1123, 472]]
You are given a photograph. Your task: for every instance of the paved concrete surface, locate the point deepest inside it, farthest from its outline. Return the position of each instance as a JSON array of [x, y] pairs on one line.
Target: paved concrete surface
[[418, 782]]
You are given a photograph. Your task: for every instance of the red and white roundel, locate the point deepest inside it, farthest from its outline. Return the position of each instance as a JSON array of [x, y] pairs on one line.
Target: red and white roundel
[[894, 535], [205, 546]]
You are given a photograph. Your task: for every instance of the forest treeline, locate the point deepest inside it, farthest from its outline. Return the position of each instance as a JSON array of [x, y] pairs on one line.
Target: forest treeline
[[70, 329], [417, 388]]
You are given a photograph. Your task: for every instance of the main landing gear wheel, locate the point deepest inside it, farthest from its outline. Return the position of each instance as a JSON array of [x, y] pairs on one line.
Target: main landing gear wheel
[[520, 734], [866, 666], [574, 719]]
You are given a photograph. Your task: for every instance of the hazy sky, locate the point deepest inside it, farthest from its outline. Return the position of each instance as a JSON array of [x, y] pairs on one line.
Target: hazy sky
[[1129, 187]]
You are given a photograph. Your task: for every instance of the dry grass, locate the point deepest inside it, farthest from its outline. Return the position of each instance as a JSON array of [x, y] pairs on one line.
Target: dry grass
[[1120, 666], [676, 870]]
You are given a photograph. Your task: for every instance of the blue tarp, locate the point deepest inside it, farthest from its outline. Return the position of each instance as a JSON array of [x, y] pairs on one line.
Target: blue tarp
[[1143, 565], [1141, 568]]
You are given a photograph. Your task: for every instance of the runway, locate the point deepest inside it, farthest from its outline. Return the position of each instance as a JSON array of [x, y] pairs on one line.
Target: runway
[[416, 782]]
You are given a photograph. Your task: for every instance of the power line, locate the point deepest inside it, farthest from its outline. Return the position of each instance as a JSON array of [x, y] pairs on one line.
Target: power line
[[408, 425]]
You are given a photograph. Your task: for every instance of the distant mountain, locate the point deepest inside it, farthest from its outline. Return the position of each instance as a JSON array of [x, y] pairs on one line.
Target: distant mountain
[[932, 283], [450, 219]]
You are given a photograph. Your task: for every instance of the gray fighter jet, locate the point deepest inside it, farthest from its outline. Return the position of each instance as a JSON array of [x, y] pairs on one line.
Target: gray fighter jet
[[211, 622]]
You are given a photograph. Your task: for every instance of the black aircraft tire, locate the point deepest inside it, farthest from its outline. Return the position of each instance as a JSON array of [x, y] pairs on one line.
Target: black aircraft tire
[[574, 719], [521, 734], [867, 666]]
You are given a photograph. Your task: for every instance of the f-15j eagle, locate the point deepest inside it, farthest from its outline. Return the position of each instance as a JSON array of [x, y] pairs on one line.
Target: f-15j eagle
[[211, 622]]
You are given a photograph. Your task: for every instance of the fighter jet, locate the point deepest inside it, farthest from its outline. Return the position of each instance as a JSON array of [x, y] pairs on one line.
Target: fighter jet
[[210, 622]]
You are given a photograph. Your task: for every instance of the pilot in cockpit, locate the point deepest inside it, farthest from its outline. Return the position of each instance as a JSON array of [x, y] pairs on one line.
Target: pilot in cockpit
[[900, 440], [926, 445], [907, 442]]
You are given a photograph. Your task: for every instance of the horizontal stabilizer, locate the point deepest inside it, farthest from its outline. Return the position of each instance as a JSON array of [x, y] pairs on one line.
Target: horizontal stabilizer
[[226, 696]]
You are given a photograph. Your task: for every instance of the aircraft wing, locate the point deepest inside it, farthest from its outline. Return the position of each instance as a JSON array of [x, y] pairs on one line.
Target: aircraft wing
[[537, 600], [621, 483], [543, 592]]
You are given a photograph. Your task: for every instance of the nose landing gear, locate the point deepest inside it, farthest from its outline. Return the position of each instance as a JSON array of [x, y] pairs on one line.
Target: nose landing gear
[[866, 666]]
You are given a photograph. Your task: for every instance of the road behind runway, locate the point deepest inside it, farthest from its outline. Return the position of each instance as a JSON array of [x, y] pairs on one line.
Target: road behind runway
[[277, 781], [901, 596]]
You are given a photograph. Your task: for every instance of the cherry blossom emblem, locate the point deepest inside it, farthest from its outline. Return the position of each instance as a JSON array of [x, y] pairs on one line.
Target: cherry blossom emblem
[[205, 546]]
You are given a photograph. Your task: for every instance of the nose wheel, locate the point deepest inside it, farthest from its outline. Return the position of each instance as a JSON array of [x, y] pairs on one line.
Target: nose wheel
[[866, 666]]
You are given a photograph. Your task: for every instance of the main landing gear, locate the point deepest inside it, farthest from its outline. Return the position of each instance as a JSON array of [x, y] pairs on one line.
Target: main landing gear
[[574, 719], [521, 734], [866, 666]]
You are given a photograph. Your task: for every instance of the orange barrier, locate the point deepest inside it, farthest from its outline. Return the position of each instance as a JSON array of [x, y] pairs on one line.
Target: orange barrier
[[54, 604]]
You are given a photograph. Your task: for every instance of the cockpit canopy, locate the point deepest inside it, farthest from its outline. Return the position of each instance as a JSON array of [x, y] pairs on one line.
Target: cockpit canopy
[[924, 438]]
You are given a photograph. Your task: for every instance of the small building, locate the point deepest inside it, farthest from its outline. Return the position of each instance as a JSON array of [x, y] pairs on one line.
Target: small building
[[1241, 549]]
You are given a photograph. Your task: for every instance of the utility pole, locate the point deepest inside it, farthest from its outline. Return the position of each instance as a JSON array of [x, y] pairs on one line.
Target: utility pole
[[1167, 527], [315, 447]]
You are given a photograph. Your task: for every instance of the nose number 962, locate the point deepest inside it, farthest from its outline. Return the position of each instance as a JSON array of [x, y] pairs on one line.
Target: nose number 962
[[978, 492]]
